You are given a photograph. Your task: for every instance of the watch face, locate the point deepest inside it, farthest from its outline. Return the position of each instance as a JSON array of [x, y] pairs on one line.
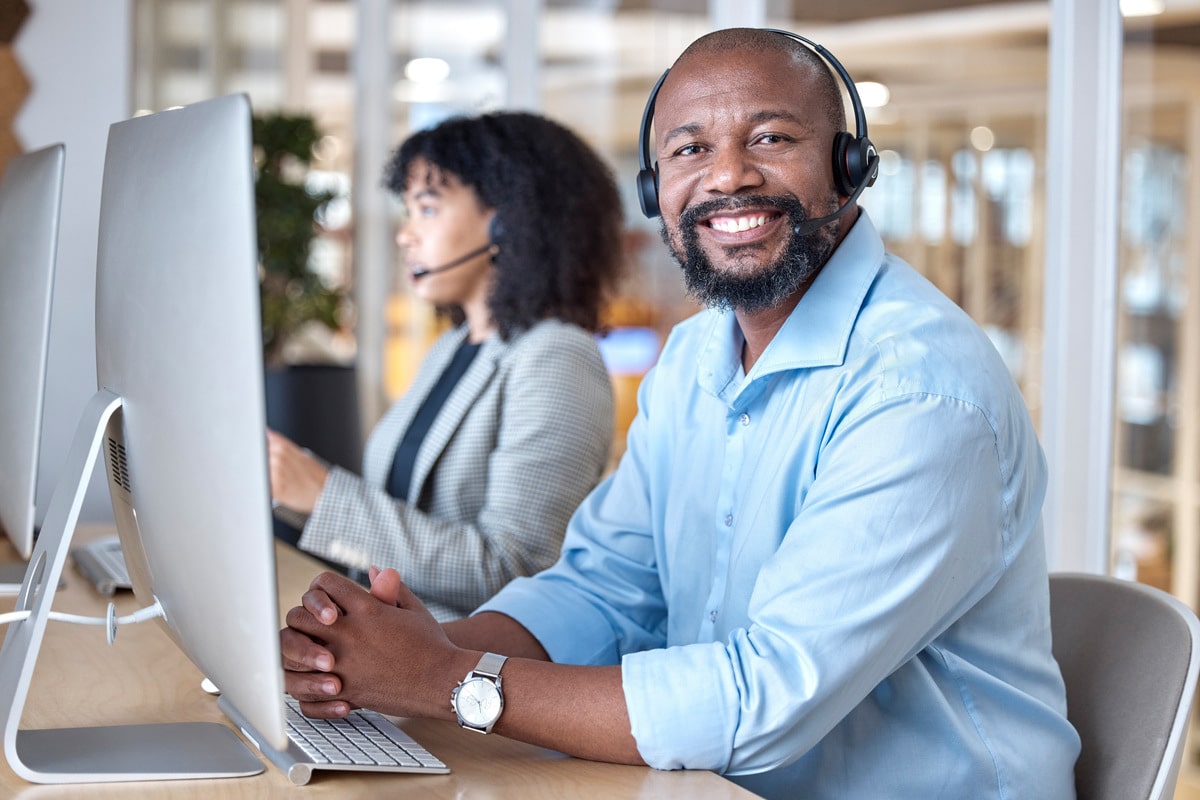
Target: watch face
[[478, 702]]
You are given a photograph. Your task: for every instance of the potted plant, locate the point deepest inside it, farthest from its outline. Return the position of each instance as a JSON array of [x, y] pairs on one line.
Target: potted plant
[[311, 399]]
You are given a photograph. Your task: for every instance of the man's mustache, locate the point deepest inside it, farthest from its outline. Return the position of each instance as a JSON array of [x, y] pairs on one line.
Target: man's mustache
[[790, 206]]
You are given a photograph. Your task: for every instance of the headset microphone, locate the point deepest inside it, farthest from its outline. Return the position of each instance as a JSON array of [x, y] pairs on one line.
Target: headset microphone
[[813, 225], [490, 247]]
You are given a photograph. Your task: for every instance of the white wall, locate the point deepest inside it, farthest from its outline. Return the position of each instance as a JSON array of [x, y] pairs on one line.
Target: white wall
[[78, 57]]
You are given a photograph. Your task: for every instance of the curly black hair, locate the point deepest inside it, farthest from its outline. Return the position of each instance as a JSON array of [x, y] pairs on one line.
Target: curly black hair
[[558, 214]]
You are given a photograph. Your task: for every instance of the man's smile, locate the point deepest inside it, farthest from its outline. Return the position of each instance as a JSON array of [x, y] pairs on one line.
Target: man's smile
[[729, 223]]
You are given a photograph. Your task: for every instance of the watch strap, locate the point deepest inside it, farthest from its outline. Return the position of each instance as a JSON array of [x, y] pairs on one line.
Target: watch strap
[[490, 665]]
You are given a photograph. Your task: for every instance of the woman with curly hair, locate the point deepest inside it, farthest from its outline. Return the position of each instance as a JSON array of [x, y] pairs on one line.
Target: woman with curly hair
[[513, 228]]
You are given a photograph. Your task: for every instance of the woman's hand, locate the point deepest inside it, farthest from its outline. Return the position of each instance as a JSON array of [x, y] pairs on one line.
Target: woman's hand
[[296, 477]]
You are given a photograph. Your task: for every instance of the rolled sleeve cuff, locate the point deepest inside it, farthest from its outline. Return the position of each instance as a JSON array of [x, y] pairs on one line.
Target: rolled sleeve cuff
[[682, 706], [572, 630]]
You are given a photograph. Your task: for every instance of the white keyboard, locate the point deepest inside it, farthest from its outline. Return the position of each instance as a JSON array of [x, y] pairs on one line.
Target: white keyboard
[[363, 741], [365, 738]]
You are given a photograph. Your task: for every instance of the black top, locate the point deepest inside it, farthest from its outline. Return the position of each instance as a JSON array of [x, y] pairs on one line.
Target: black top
[[418, 429]]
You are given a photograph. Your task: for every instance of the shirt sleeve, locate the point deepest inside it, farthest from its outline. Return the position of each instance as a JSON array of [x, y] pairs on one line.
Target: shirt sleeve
[[903, 528], [603, 597]]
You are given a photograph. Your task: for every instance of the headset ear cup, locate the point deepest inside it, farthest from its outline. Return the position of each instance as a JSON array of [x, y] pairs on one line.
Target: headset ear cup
[[858, 162], [842, 173], [495, 229], [852, 162], [647, 189]]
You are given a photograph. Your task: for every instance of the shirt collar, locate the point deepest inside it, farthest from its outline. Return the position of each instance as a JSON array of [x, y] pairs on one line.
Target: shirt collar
[[817, 332]]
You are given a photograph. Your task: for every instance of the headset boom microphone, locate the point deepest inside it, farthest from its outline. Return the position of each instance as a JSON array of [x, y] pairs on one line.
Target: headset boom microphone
[[478, 251]]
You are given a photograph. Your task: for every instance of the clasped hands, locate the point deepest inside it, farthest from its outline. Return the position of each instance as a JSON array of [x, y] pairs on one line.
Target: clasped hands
[[346, 648]]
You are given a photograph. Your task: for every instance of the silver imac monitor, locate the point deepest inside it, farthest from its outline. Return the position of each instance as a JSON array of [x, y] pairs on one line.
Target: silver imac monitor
[[30, 199], [179, 416]]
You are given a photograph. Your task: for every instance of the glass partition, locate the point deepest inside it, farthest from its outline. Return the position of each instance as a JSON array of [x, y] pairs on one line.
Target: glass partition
[[1156, 484], [1156, 434]]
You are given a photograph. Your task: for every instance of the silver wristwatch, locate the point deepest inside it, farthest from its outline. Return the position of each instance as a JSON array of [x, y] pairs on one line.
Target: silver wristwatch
[[478, 700]]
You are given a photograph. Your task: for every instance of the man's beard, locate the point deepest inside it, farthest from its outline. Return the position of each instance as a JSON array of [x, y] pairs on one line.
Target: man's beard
[[799, 263]]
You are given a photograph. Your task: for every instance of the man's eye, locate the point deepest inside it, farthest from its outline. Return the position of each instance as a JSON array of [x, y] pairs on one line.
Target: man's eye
[[689, 150]]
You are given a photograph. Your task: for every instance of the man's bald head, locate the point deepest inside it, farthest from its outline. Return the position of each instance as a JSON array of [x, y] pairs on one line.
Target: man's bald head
[[828, 95]]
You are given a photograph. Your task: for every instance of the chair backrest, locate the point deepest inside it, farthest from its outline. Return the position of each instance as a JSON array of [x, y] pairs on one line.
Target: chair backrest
[[1129, 657]]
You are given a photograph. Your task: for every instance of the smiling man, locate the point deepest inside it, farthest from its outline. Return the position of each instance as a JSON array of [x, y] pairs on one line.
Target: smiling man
[[819, 568]]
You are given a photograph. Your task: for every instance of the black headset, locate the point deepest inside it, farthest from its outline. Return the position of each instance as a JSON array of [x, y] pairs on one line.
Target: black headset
[[855, 162]]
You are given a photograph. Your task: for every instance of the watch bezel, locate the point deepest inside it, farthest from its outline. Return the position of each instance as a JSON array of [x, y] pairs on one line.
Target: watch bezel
[[493, 686]]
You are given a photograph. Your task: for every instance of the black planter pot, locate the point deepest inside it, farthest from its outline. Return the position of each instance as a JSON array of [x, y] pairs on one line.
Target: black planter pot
[[316, 406]]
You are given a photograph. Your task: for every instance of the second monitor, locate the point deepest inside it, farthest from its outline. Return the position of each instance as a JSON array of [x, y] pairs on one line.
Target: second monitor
[[30, 202]]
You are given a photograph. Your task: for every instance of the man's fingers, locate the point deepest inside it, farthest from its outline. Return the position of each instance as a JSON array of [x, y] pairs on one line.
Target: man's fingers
[[332, 709], [312, 687], [328, 595], [307, 619], [300, 653], [404, 596], [385, 585]]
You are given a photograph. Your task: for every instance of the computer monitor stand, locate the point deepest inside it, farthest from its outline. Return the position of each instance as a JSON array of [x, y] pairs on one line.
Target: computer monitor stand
[[97, 754], [12, 577]]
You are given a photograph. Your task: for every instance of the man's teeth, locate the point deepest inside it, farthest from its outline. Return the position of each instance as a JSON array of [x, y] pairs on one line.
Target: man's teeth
[[728, 225]]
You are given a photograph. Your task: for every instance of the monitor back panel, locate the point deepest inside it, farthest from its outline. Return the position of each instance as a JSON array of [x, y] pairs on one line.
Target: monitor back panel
[[30, 199], [178, 338]]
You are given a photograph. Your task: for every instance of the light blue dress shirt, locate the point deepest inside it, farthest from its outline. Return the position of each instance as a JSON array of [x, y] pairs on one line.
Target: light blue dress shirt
[[826, 578]]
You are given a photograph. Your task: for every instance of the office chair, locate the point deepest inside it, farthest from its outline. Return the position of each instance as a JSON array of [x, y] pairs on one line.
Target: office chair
[[1129, 656]]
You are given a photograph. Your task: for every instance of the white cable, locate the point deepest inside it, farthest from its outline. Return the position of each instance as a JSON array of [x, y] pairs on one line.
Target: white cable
[[111, 621], [13, 616]]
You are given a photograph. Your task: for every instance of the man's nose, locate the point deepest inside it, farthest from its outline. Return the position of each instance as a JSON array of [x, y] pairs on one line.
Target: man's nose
[[733, 170]]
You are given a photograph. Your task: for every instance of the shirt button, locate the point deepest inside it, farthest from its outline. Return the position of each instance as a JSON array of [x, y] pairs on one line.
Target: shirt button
[[728, 520], [744, 419], [712, 615]]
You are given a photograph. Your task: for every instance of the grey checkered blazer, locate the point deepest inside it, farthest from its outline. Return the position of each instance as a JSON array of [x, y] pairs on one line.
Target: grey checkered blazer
[[523, 437]]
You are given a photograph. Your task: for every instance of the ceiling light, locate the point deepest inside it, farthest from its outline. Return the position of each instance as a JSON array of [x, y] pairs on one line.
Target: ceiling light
[[873, 94], [1142, 8], [982, 138], [427, 70], [327, 148]]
